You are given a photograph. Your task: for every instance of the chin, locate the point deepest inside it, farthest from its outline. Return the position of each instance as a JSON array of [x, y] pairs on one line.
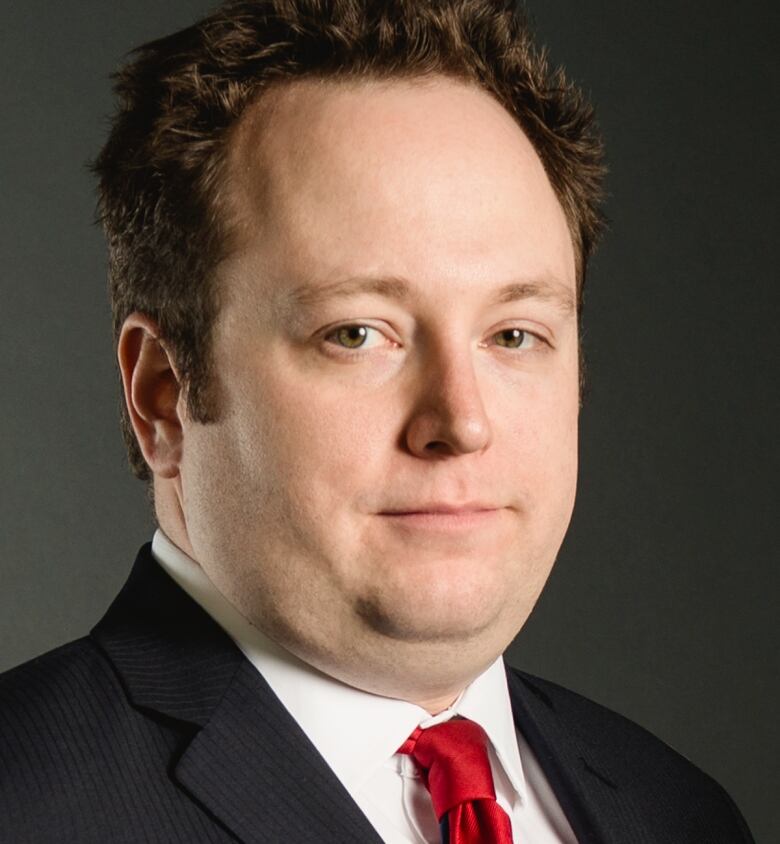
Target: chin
[[437, 620]]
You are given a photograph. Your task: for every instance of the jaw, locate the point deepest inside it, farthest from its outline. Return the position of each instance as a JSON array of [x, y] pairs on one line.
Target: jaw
[[400, 657]]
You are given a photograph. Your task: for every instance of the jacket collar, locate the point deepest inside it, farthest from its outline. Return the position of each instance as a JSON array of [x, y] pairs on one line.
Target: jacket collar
[[589, 783], [242, 756]]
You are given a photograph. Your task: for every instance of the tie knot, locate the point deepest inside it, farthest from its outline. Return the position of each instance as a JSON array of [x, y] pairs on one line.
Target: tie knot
[[454, 762]]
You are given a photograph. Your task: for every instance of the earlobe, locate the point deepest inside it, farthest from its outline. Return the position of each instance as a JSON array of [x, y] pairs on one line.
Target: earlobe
[[151, 392]]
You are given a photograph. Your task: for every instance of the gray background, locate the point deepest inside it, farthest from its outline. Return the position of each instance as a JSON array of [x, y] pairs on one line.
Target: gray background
[[663, 603]]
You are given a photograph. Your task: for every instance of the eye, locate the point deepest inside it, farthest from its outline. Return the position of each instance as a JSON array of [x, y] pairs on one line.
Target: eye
[[351, 336], [514, 338]]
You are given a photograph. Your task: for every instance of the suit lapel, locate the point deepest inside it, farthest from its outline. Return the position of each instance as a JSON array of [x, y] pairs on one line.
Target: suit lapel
[[254, 768], [587, 787], [243, 757]]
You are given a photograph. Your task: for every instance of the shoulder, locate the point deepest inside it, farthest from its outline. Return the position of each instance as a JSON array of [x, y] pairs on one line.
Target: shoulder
[[601, 728], [588, 719], [64, 686], [55, 709], [52, 686], [72, 748], [638, 765]]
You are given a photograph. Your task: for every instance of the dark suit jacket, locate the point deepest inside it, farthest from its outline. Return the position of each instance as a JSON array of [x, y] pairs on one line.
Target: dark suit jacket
[[155, 728]]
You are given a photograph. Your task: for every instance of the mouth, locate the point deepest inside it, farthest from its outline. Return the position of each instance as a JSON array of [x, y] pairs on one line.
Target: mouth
[[442, 517]]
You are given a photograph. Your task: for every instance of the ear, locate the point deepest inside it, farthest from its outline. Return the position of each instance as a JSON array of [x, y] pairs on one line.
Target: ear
[[152, 390]]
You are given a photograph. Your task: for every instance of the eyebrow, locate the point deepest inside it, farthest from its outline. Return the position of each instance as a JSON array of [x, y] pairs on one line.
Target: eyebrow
[[308, 295], [548, 291], [311, 295]]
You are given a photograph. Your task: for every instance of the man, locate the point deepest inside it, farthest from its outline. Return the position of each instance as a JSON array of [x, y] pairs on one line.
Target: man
[[347, 245]]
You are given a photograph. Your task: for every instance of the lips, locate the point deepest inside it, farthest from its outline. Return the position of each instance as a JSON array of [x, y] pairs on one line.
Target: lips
[[445, 519], [436, 508]]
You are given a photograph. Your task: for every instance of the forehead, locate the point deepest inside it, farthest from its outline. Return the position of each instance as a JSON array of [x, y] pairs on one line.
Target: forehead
[[422, 179]]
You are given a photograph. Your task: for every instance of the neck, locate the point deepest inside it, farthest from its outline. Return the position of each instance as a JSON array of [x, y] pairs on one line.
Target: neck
[[437, 705], [169, 512]]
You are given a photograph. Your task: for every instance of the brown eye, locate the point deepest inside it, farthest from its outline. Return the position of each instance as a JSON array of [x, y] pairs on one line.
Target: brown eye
[[511, 338], [351, 336]]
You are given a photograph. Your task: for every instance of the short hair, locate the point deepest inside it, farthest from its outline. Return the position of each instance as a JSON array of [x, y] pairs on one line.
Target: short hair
[[162, 170]]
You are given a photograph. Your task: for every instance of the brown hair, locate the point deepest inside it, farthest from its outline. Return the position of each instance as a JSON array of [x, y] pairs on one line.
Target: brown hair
[[161, 169]]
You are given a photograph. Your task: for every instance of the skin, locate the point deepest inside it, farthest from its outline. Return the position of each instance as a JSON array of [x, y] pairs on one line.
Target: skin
[[352, 418]]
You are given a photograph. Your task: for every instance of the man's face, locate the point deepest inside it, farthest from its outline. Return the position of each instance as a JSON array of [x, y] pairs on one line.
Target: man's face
[[396, 355]]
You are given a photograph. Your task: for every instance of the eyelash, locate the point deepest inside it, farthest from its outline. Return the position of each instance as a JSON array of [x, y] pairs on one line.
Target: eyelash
[[359, 351]]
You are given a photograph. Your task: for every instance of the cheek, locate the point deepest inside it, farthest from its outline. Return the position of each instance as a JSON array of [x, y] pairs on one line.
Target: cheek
[[319, 442], [539, 439]]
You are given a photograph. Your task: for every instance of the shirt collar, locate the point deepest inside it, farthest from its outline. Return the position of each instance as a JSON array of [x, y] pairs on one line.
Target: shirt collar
[[354, 731]]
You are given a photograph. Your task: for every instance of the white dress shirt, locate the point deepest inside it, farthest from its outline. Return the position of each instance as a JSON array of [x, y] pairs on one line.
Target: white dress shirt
[[358, 733]]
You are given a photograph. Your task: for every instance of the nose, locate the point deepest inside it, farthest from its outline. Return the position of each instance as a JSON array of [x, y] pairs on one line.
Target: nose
[[449, 417]]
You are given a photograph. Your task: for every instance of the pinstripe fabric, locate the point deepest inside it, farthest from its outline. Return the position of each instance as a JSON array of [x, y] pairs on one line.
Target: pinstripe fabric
[[156, 729], [617, 783]]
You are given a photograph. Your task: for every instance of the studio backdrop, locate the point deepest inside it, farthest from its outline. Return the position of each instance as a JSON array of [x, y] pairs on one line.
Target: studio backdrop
[[663, 602]]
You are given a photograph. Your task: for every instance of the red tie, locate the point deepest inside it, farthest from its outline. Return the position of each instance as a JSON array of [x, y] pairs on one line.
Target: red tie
[[455, 767]]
